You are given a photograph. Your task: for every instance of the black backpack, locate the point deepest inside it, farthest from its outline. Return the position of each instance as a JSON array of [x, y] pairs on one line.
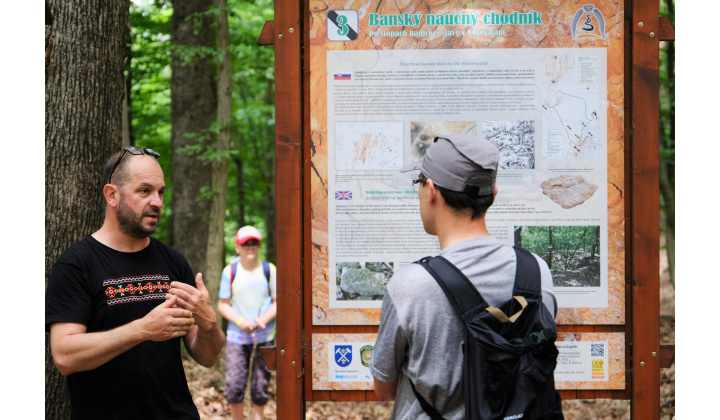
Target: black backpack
[[509, 361]]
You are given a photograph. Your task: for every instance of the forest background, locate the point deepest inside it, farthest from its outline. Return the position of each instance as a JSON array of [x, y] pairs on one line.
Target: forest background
[[153, 57]]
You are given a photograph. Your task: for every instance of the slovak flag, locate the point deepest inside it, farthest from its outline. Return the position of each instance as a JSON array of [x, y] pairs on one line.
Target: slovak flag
[[341, 76], [343, 195]]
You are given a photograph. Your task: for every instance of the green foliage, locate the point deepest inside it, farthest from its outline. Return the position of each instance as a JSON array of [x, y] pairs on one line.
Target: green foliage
[[253, 109], [667, 139], [253, 133], [148, 72], [667, 90]]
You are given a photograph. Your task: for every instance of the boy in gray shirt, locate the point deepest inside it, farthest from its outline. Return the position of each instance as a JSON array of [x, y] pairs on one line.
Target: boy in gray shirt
[[420, 335]]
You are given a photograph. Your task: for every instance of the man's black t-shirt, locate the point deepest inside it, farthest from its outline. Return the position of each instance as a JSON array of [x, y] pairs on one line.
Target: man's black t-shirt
[[101, 288]]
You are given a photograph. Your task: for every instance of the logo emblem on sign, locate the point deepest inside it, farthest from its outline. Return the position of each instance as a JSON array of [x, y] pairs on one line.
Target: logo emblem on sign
[[342, 25], [366, 355], [592, 26], [343, 355]]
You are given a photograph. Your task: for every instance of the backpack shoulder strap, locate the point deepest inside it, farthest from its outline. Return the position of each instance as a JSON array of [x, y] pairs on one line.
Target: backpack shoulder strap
[[528, 284], [233, 270], [527, 275], [427, 408], [266, 271], [461, 293]]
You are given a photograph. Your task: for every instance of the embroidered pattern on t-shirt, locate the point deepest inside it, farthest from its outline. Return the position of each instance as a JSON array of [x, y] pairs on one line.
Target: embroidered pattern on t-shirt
[[135, 289]]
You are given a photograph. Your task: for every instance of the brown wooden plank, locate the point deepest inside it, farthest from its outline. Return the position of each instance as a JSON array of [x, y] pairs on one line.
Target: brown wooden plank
[[356, 396], [288, 187], [667, 355], [645, 222], [585, 394], [339, 396], [267, 35], [270, 356], [603, 394], [307, 225], [568, 394], [371, 396], [667, 31], [320, 396], [622, 395]]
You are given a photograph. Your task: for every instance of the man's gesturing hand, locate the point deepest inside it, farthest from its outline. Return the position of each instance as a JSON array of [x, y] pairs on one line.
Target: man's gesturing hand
[[195, 300], [166, 322]]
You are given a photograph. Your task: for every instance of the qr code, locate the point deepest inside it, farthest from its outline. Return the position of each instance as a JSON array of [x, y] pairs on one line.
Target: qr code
[[597, 350]]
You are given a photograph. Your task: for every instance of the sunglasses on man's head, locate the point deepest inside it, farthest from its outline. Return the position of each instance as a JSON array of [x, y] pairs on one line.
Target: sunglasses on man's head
[[133, 151]]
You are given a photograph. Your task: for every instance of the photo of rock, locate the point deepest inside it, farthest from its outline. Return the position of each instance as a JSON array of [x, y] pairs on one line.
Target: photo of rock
[[362, 281], [568, 191]]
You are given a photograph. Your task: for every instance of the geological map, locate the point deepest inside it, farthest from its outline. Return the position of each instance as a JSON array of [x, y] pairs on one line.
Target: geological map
[[368, 146], [570, 107]]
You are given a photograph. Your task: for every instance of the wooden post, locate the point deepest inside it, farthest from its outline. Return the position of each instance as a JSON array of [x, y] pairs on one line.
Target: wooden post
[[288, 180], [645, 205]]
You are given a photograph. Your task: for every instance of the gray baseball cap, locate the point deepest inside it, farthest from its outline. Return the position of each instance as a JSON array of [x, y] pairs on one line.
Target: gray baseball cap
[[461, 163]]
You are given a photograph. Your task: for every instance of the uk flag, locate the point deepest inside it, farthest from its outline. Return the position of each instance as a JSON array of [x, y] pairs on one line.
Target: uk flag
[[343, 195]]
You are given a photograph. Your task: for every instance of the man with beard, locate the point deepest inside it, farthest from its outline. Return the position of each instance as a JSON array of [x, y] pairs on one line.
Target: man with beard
[[118, 302]]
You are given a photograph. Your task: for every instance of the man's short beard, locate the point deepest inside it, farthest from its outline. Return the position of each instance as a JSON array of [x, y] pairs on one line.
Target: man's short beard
[[130, 223]]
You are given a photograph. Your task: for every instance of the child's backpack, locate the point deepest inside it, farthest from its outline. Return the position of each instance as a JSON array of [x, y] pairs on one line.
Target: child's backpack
[[233, 270], [509, 361]]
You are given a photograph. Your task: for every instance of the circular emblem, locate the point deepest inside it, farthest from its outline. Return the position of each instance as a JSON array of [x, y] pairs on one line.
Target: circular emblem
[[366, 355]]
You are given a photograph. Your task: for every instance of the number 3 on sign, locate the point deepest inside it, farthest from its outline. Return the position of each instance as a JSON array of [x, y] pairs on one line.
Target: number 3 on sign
[[342, 25]]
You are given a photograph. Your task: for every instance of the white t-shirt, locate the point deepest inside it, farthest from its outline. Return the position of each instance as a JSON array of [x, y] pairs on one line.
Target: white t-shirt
[[251, 292]]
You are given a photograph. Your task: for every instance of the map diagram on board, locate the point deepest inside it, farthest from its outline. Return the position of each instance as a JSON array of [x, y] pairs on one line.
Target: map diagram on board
[[368, 146], [570, 107]]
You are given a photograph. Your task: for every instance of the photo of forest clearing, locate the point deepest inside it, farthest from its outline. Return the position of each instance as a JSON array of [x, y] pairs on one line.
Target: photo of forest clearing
[[571, 252]]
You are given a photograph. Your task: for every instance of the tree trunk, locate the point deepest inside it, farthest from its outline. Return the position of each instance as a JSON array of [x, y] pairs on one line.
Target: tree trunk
[[596, 243], [215, 254], [550, 248], [192, 110], [128, 139], [518, 236], [84, 90], [240, 186]]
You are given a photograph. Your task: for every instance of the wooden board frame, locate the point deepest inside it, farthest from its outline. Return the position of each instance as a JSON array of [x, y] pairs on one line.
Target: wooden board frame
[[644, 29]]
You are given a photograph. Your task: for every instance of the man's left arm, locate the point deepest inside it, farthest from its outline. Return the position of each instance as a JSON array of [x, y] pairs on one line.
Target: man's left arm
[[389, 352], [205, 339]]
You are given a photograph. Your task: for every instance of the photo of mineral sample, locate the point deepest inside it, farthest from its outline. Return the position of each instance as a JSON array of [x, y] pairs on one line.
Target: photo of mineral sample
[[571, 252], [362, 280], [423, 133], [568, 191], [515, 140]]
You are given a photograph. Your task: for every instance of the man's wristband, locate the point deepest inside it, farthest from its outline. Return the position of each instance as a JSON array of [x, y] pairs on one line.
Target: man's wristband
[[239, 321]]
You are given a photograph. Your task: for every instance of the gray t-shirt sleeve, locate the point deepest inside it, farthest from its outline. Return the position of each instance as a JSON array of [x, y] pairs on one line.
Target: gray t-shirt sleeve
[[391, 345]]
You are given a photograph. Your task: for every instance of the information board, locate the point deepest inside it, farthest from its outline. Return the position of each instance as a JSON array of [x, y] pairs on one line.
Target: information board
[[544, 82]]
